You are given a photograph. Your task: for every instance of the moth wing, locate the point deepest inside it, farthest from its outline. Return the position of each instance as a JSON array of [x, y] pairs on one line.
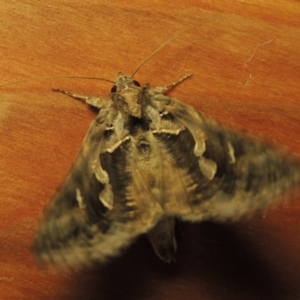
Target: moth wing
[[227, 174], [78, 228]]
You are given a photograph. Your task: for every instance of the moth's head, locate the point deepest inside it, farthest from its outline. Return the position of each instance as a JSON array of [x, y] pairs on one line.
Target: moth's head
[[123, 82], [127, 94]]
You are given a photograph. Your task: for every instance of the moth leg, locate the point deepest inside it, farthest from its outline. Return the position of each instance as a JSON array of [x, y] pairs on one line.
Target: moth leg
[[93, 101], [162, 238], [163, 89]]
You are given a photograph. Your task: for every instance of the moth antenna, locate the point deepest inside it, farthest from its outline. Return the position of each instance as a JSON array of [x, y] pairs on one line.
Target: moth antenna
[[169, 41], [53, 77]]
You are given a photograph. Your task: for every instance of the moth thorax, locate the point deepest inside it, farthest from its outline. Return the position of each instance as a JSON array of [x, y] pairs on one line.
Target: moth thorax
[[131, 97]]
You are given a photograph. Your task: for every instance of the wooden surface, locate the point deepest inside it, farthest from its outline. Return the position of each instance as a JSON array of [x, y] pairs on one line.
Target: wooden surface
[[246, 64]]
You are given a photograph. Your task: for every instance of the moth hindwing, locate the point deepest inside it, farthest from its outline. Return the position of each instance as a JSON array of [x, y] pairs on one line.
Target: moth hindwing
[[146, 160]]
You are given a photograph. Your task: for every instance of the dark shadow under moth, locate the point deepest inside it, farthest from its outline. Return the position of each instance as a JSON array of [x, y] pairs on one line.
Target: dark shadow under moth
[[147, 160]]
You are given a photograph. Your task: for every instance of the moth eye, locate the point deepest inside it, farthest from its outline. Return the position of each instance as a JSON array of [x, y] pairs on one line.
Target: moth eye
[[113, 89], [136, 83]]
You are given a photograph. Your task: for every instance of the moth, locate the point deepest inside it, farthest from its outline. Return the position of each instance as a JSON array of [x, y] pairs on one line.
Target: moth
[[147, 160]]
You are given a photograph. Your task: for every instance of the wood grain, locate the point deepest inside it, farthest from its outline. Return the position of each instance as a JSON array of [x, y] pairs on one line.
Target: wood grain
[[244, 56]]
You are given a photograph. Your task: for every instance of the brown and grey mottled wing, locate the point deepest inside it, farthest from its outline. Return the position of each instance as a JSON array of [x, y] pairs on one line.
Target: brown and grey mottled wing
[[79, 227], [227, 175], [252, 174]]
